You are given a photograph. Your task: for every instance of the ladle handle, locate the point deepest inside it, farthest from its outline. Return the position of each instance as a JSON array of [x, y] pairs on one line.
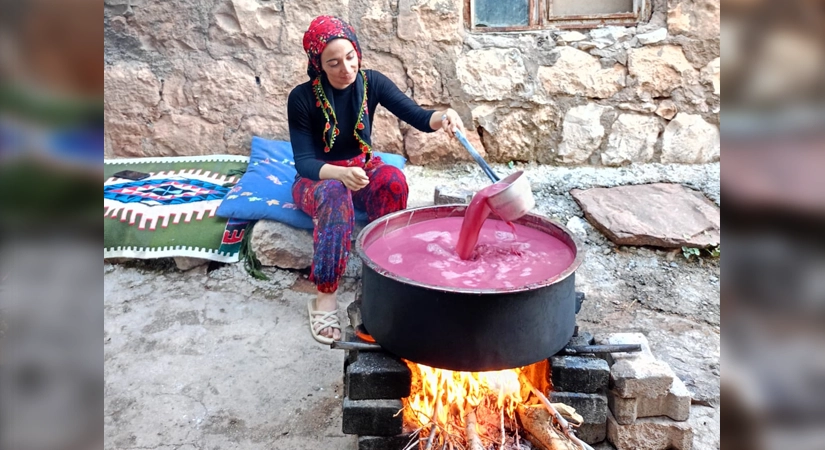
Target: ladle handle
[[481, 162]]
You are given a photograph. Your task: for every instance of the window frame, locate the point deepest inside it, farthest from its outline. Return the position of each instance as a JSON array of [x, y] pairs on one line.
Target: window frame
[[539, 18]]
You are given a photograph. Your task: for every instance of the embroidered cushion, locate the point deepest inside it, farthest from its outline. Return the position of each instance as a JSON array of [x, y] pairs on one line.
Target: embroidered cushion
[[265, 190]]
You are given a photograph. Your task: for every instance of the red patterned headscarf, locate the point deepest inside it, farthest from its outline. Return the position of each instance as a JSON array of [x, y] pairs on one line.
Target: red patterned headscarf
[[321, 31]]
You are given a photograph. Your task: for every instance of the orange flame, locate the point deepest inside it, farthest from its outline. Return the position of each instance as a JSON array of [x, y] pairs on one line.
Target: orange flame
[[445, 393]]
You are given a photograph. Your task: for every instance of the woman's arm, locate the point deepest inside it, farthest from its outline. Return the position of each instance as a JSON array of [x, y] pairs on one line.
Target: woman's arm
[[354, 178], [300, 135], [448, 120]]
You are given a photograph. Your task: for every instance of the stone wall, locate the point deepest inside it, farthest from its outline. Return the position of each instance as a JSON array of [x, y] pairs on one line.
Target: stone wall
[[189, 77]]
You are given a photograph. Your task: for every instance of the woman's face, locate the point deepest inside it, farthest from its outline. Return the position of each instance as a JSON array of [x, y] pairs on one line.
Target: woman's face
[[340, 62]]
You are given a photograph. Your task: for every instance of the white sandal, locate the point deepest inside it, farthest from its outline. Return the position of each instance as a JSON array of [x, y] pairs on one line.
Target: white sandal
[[321, 320]]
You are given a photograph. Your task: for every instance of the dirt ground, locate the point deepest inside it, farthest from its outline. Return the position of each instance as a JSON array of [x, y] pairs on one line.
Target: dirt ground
[[214, 359]]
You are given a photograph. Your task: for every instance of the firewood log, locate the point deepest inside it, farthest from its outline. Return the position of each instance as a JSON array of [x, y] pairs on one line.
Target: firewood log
[[473, 441], [537, 426]]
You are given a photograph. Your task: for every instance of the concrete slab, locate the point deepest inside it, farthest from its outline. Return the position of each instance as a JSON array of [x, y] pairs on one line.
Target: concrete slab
[[217, 361]]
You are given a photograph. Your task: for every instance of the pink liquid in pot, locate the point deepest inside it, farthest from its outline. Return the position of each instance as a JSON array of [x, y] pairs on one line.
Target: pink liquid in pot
[[502, 259]]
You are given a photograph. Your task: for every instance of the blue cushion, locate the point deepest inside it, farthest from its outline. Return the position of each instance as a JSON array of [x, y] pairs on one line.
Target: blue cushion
[[265, 190]]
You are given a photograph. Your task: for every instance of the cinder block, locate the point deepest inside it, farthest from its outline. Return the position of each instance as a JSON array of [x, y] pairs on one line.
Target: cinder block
[[372, 417], [655, 433], [398, 442], [641, 377], [378, 375], [583, 374], [445, 195], [592, 433], [592, 407], [675, 404]]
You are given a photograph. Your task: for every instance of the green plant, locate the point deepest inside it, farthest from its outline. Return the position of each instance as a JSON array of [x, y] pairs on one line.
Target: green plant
[[690, 251], [511, 164], [715, 251]]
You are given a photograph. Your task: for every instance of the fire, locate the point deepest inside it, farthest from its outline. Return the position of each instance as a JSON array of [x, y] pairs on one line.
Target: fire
[[461, 391], [486, 410], [442, 399]]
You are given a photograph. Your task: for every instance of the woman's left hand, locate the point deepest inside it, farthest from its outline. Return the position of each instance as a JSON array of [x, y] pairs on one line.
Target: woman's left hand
[[451, 121]]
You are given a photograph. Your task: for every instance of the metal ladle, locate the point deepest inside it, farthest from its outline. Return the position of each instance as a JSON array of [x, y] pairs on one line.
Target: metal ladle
[[511, 202]]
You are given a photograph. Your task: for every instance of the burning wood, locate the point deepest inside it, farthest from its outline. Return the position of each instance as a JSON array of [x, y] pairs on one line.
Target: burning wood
[[473, 441], [481, 411], [540, 430]]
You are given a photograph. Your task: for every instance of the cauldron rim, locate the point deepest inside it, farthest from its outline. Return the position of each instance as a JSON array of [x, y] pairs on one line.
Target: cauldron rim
[[457, 210]]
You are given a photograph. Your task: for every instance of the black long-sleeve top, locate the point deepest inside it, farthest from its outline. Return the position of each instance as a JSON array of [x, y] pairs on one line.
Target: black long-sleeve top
[[306, 120]]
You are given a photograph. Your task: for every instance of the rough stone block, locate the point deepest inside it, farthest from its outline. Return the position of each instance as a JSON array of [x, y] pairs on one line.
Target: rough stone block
[[655, 433], [281, 245], [675, 404], [641, 377], [354, 267], [583, 374], [378, 375], [445, 195], [372, 417], [592, 433], [592, 407], [185, 263]]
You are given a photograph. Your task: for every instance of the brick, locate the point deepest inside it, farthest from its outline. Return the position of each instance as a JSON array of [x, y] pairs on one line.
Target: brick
[[641, 377], [445, 195], [592, 433], [372, 417], [398, 442], [655, 433], [675, 404], [378, 375], [583, 374], [592, 407]]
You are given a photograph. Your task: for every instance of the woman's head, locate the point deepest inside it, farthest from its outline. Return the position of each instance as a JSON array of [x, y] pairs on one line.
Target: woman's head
[[332, 47]]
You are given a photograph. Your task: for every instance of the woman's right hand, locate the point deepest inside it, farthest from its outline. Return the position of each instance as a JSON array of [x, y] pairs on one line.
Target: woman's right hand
[[354, 178]]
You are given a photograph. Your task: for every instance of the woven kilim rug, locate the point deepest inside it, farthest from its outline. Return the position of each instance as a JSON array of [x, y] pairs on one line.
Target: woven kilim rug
[[171, 212]]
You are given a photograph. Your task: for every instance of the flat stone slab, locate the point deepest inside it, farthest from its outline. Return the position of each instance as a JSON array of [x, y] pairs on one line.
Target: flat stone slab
[[658, 215]]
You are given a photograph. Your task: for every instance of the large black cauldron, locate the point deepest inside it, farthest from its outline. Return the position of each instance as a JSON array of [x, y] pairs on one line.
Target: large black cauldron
[[466, 329]]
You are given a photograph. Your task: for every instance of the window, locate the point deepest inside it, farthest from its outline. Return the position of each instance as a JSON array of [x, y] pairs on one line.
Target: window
[[516, 15]]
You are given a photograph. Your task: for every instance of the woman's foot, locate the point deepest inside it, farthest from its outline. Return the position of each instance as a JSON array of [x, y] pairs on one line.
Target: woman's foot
[[325, 325]]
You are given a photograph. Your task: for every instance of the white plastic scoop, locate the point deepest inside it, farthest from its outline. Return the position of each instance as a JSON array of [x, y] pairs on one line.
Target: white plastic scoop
[[511, 202]]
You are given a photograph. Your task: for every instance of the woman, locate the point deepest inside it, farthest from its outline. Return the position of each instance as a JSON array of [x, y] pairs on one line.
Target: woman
[[330, 120]]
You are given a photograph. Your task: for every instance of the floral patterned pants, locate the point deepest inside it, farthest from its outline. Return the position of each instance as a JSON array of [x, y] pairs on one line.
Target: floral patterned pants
[[330, 204]]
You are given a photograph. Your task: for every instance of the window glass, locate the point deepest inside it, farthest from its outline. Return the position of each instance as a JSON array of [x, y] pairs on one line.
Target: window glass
[[501, 13], [589, 7]]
